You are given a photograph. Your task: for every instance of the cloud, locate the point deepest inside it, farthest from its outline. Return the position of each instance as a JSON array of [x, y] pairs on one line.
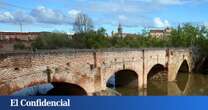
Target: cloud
[[49, 16], [175, 2], [73, 13], [6, 17], [161, 23], [122, 18], [131, 13], [205, 23], [133, 21], [128, 12], [119, 6], [40, 14], [170, 2], [23, 17], [16, 17]]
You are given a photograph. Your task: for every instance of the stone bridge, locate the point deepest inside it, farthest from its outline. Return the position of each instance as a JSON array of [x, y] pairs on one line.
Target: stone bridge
[[88, 69]]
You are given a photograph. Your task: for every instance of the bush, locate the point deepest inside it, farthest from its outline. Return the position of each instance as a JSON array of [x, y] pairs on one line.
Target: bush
[[186, 35], [19, 46]]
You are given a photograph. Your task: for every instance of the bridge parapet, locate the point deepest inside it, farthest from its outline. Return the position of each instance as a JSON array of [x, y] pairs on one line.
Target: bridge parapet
[[59, 51], [88, 68]]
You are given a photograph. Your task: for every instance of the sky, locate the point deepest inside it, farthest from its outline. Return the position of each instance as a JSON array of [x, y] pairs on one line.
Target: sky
[[133, 15]]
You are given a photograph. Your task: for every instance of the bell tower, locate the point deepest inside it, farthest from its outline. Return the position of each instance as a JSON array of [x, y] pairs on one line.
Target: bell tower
[[120, 30]]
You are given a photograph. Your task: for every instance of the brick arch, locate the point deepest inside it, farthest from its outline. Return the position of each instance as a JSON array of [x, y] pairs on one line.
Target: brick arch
[[152, 67], [29, 81], [120, 71], [148, 68], [175, 70], [175, 60], [188, 63], [174, 86], [107, 73], [180, 64]]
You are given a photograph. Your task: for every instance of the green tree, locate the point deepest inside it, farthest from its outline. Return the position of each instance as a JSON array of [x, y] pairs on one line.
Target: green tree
[[51, 41], [19, 46]]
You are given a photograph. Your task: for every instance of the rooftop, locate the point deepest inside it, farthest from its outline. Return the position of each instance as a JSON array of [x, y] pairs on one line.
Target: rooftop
[[19, 33]]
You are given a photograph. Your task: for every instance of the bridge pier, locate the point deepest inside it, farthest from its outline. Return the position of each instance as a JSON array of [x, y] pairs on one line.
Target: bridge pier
[[144, 84], [141, 82], [172, 72]]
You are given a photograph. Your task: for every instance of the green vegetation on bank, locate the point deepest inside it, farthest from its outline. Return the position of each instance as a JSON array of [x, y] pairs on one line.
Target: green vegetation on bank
[[186, 35], [85, 37]]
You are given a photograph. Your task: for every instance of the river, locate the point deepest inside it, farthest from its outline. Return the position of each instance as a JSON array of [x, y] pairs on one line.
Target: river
[[189, 84], [192, 84]]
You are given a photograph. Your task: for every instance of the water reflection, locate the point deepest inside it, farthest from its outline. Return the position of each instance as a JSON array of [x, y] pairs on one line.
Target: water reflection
[[52, 89], [194, 84], [124, 82], [197, 85], [35, 90], [156, 88]]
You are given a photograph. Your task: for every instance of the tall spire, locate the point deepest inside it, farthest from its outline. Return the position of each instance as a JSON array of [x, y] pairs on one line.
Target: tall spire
[[120, 30]]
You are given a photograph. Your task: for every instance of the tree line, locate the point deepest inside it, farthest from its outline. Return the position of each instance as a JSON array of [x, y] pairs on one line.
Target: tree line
[[85, 37]]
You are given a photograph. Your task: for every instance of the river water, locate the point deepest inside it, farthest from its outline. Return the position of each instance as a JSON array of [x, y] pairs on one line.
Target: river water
[[190, 84]]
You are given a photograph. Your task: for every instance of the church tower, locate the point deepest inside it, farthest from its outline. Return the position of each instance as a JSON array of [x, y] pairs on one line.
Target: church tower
[[120, 30]]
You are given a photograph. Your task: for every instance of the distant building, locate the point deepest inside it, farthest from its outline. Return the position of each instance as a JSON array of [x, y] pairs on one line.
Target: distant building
[[160, 33], [18, 36], [120, 32], [70, 34], [9, 39]]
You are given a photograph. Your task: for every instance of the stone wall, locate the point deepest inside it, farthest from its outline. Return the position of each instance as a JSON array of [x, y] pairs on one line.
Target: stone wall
[[88, 69]]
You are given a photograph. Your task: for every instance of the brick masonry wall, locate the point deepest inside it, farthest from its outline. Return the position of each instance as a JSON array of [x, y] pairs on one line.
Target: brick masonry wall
[[90, 70]]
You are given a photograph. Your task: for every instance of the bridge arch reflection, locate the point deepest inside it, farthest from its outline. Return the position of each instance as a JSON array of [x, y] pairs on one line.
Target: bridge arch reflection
[[124, 79], [170, 88], [52, 89], [157, 69], [157, 79], [182, 75], [174, 88]]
